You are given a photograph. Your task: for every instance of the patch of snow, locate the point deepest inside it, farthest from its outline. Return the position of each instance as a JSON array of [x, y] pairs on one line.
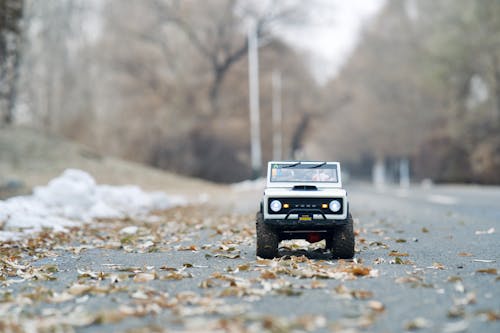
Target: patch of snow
[[74, 198], [130, 230]]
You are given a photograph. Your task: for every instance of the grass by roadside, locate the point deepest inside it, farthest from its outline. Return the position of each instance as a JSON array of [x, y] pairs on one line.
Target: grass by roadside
[[29, 158]]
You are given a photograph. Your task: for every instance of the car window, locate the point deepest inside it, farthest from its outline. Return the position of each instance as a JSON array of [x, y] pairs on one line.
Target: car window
[[310, 173]]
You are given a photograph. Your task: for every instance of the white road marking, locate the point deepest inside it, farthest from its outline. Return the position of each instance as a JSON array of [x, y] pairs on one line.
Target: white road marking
[[442, 199]]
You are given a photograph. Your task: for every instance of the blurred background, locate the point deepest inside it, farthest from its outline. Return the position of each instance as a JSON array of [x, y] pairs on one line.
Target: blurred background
[[396, 90]]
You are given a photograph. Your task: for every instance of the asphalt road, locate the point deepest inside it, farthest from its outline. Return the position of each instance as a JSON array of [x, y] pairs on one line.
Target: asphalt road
[[427, 260]]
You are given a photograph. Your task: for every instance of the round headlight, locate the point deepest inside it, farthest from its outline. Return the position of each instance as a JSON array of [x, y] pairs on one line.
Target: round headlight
[[275, 206], [334, 206]]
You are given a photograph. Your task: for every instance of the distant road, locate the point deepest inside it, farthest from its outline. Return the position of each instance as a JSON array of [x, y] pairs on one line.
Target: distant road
[[473, 201]]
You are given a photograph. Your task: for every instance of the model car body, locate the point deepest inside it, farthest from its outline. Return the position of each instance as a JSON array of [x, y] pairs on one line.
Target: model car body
[[304, 200]]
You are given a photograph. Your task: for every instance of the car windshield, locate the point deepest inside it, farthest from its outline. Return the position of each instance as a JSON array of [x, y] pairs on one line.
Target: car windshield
[[304, 172]]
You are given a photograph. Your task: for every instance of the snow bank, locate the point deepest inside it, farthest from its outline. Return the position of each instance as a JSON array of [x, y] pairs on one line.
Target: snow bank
[[75, 198]]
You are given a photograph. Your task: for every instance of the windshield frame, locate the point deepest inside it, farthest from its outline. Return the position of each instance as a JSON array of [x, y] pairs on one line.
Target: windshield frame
[[314, 165]]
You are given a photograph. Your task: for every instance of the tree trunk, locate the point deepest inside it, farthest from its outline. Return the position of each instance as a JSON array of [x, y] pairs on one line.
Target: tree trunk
[[215, 90], [299, 133], [496, 88]]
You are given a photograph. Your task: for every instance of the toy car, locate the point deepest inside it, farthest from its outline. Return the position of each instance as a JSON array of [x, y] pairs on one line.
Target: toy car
[[304, 200]]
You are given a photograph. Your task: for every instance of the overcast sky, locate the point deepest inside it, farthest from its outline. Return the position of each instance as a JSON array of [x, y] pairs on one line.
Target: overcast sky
[[332, 34]]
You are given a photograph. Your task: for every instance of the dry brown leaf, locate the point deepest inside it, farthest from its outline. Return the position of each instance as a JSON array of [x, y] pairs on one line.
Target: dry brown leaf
[[188, 248], [492, 271], [465, 254], [315, 284], [144, 277], [208, 283], [359, 270], [362, 294], [341, 289], [399, 261], [456, 312], [227, 255], [266, 275], [60, 297], [79, 289], [417, 324], [244, 267], [398, 254], [490, 315], [264, 262], [454, 278], [470, 298], [437, 265], [408, 279], [376, 306]]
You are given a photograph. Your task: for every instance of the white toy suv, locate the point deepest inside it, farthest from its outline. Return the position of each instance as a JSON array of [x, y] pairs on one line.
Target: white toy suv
[[304, 200]]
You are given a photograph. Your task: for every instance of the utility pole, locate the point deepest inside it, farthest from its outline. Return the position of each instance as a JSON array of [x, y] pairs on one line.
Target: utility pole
[[253, 84], [404, 172], [378, 172], [277, 117]]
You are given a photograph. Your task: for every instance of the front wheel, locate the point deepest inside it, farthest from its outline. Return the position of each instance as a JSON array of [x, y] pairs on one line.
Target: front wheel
[[267, 239], [341, 240]]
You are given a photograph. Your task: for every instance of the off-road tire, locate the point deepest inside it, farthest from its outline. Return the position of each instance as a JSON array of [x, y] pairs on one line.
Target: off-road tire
[[267, 239], [341, 240]]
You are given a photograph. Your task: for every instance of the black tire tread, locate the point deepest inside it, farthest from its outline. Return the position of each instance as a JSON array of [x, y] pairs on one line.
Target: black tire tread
[[341, 240], [267, 239]]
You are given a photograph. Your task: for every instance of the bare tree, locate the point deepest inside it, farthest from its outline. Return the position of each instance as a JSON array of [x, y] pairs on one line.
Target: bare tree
[[11, 13], [216, 32]]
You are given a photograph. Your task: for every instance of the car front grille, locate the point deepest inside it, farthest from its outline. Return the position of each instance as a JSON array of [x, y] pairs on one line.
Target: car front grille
[[305, 205]]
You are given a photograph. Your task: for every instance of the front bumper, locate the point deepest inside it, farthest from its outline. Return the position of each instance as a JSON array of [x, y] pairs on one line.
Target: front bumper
[[297, 225]]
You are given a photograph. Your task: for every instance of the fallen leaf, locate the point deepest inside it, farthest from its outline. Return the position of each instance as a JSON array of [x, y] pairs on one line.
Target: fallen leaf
[[376, 306], [79, 289], [144, 277], [244, 267], [456, 312], [315, 284], [490, 315], [362, 294], [358, 270], [227, 255], [398, 254], [208, 283], [492, 271], [454, 278], [268, 275], [465, 254], [188, 248], [399, 261], [470, 298], [60, 297], [417, 324], [437, 265]]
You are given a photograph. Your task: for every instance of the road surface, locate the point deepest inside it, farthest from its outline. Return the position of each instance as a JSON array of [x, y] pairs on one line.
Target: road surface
[[427, 260]]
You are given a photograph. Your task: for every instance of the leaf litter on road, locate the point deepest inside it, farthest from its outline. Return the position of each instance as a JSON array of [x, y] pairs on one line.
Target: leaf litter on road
[[228, 294]]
